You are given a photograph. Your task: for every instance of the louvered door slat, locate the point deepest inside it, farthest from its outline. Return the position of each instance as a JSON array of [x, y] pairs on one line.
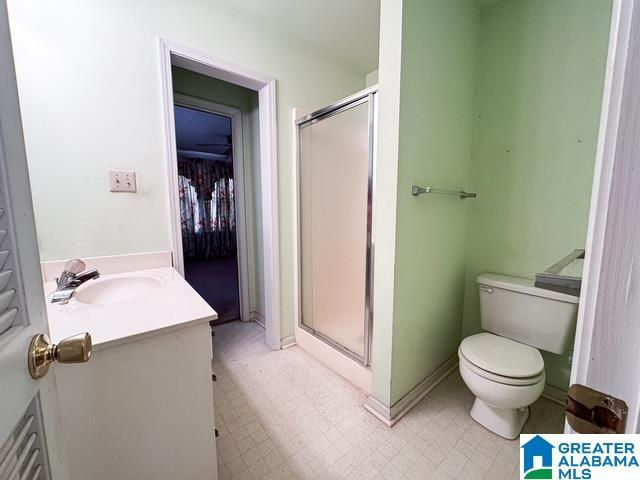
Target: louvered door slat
[[7, 319], [21, 457], [4, 255], [36, 473], [13, 450], [4, 450], [24, 454], [28, 469], [5, 276], [9, 311], [5, 299], [11, 462]]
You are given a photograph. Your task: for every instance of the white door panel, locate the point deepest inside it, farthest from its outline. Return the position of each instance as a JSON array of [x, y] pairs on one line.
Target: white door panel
[[22, 309], [606, 356]]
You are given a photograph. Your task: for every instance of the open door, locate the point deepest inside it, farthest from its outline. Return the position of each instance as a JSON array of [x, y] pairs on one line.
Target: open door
[[605, 393], [23, 447]]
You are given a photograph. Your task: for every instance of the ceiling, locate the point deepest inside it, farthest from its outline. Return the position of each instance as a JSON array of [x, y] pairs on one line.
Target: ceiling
[[346, 30], [194, 128]]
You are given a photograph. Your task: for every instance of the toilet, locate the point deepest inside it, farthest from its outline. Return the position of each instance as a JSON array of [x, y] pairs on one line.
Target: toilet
[[503, 366]]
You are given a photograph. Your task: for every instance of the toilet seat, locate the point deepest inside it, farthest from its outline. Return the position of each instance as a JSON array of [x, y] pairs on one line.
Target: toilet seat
[[502, 360], [514, 381]]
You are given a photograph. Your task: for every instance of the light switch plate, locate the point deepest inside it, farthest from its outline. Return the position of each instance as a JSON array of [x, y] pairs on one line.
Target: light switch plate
[[122, 181]]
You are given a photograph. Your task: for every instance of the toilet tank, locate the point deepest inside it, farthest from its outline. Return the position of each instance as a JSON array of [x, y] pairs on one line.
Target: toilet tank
[[513, 308]]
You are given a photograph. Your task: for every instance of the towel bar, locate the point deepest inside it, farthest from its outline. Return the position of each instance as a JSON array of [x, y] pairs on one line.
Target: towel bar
[[416, 190]]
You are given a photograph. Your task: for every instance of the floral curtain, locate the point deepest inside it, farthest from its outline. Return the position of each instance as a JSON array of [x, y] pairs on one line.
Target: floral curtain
[[207, 208]]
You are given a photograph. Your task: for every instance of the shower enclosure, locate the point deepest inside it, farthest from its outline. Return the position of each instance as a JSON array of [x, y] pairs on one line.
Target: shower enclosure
[[335, 167]]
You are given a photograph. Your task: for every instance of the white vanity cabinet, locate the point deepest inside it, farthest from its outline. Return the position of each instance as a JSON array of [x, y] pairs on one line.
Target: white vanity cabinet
[[142, 407]]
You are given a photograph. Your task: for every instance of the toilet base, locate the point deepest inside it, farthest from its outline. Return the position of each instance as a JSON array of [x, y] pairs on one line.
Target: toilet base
[[506, 422]]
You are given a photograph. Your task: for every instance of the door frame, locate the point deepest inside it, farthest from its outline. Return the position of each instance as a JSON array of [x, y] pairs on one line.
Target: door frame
[[237, 137], [605, 354], [172, 53]]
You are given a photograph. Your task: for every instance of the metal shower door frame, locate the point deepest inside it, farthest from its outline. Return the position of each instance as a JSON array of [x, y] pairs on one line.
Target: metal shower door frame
[[367, 95]]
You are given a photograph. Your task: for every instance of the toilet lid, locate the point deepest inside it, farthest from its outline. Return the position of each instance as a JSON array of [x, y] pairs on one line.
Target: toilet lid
[[502, 356]]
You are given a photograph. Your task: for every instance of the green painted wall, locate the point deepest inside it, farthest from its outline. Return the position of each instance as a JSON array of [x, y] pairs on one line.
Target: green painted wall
[[540, 78], [505, 101], [218, 91], [439, 42]]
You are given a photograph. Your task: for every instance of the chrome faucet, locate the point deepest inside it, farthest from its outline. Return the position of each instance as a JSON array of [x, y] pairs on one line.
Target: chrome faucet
[[72, 277]]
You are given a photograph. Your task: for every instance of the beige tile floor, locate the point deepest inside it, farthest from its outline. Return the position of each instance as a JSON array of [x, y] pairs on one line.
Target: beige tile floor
[[283, 415]]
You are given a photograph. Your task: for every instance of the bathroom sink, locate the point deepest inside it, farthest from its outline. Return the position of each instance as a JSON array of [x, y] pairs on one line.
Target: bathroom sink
[[116, 290]]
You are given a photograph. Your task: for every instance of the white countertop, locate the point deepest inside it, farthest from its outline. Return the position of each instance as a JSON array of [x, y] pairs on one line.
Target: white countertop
[[172, 306]]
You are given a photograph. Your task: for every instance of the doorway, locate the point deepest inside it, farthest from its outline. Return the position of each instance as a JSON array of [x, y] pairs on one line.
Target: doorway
[[257, 204], [208, 205]]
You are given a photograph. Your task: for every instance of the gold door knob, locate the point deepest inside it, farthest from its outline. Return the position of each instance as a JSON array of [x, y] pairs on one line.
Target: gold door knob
[[42, 352]]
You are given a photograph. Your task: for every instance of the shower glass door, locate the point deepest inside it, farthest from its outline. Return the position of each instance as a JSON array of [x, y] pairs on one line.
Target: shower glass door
[[335, 172]]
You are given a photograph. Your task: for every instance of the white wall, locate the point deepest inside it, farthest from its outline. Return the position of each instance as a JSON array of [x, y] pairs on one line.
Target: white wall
[[89, 83], [385, 196]]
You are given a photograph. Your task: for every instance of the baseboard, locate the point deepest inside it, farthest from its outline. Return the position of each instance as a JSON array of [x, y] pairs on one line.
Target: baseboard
[[379, 410], [258, 318], [390, 416], [554, 394]]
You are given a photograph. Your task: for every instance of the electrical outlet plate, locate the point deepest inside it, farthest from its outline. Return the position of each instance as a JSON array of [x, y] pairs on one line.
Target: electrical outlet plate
[[122, 181]]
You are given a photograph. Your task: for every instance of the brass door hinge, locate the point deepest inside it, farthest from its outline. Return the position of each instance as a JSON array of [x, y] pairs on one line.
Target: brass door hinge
[[590, 411]]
